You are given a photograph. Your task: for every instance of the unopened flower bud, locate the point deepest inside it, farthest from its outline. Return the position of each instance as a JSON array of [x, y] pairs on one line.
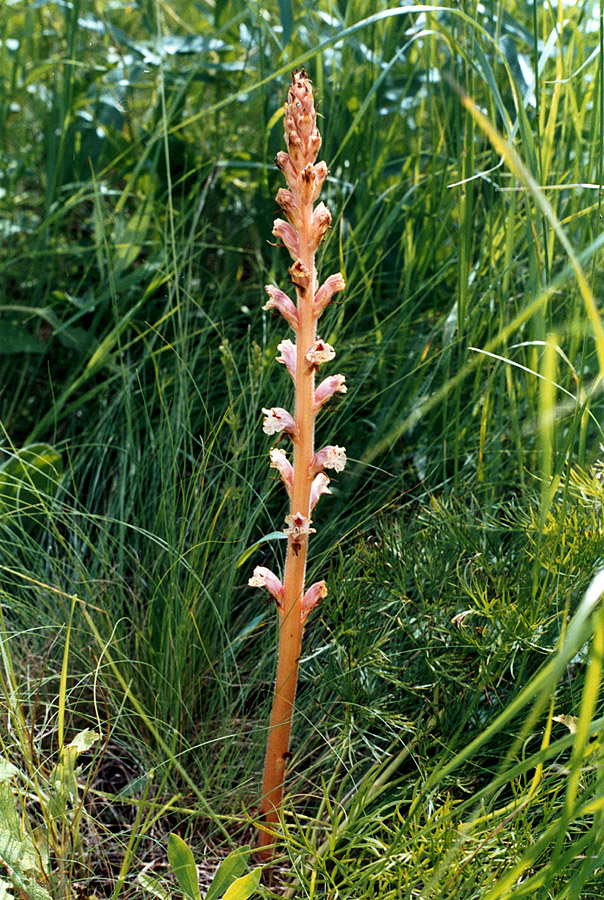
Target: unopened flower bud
[[280, 462], [286, 201], [283, 230], [288, 356], [281, 302], [310, 181], [320, 174], [311, 599], [328, 387], [283, 162], [318, 488], [297, 151], [329, 287], [321, 220]]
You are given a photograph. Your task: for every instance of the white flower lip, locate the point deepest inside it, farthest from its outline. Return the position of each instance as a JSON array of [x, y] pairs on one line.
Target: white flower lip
[[330, 457], [319, 353], [278, 419], [264, 578]]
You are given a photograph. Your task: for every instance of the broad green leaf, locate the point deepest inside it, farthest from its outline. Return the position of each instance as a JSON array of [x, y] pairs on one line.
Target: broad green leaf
[[273, 536], [11, 849], [63, 778], [41, 847], [228, 872], [9, 820], [84, 740], [15, 338], [153, 886], [7, 770], [29, 476], [129, 236], [244, 887], [5, 893], [184, 868]]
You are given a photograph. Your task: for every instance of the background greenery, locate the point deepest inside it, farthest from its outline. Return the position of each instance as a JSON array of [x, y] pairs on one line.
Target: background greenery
[[447, 737]]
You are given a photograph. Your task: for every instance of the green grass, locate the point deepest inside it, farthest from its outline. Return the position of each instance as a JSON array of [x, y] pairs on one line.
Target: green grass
[[136, 204]]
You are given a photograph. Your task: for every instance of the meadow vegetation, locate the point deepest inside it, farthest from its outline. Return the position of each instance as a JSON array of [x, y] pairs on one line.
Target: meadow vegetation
[[448, 730]]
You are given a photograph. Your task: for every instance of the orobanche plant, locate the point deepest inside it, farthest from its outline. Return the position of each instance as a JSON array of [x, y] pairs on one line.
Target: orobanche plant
[[304, 477]]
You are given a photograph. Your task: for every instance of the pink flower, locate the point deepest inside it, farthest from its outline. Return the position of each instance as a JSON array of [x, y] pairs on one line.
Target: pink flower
[[280, 461], [278, 419], [330, 457], [297, 527], [283, 230], [313, 596], [297, 152], [310, 182], [283, 162], [286, 201], [288, 356], [327, 388], [318, 487], [281, 302], [301, 277], [320, 174], [321, 220], [330, 287], [320, 352], [264, 578]]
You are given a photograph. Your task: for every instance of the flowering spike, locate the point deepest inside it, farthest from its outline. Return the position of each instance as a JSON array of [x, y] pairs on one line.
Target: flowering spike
[[264, 578], [278, 419], [304, 477], [329, 287], [330, 457], [280, 461], [288, 356], [318, 487], [281, 302], [327, 388], [312, 598]]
